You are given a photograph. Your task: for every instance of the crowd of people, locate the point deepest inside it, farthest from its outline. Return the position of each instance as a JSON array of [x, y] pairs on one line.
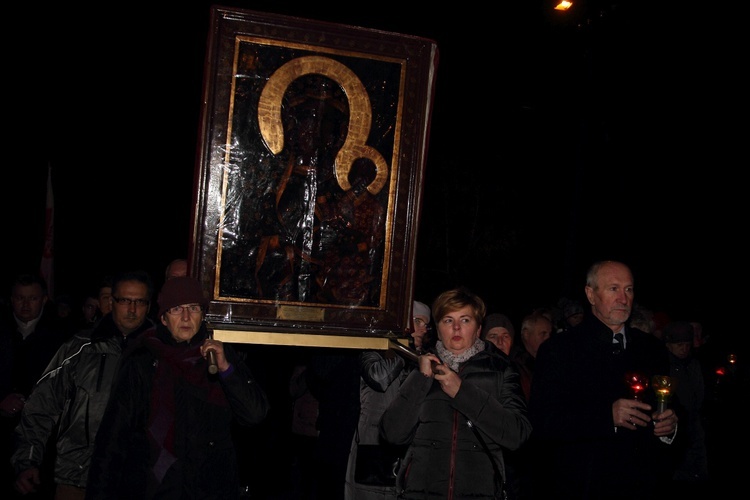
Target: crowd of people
[[125, 394]]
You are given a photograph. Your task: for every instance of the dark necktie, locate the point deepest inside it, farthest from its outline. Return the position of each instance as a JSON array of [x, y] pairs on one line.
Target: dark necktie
[[618, 346]]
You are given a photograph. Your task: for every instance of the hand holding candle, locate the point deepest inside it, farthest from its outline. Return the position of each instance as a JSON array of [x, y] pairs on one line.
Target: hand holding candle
[[663, 386]]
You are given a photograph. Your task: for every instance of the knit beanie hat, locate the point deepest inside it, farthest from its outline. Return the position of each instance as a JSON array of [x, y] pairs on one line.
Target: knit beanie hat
[[179, 291], [493, 320], [421, 309], [678, 331]]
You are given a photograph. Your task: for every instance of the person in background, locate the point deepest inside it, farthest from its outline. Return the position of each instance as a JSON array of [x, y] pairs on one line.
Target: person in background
[[536, 328], [29, 337], [420, 327], [90, 313], [176, 269], [74, 391], [660, 319], [458, 411], [104, 296], [553, 314], [498, 329], [698, 338], [593, 438], [691, 475], [380, 380], [642, 318], [572, 314], [708, 354], [715, 366], [34, 328], [68, 315], [173, 439]]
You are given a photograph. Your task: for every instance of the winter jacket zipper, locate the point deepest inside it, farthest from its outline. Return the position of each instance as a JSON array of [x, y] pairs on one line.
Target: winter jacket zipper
[[454, 445]]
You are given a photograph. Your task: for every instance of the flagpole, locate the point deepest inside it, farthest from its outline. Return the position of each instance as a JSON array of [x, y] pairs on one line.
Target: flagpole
[[46, 266]]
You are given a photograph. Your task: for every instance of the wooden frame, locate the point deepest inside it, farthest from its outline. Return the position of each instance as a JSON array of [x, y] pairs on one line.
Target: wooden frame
[[309, 179]]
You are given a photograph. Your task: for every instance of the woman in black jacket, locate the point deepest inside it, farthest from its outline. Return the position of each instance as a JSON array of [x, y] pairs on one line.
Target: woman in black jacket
[[458, 411], [166, 432]]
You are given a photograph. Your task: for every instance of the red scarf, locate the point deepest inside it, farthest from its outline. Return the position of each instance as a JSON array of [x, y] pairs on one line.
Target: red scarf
[[177, 363]]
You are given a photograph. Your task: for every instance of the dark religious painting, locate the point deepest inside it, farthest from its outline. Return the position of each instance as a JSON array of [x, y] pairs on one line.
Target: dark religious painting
[[309, 175]]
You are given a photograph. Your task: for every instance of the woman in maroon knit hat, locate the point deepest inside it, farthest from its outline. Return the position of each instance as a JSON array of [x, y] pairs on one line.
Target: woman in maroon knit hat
[[166, 431]]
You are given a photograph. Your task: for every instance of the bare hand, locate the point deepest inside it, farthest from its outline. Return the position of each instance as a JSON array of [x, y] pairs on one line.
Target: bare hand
[[665, 423], [449, 380], [426, 362], [630, 413], [218, 348], [27, 481], [11, 404]]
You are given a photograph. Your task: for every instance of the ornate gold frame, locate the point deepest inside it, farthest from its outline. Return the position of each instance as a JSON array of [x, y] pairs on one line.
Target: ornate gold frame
[[309, 179]]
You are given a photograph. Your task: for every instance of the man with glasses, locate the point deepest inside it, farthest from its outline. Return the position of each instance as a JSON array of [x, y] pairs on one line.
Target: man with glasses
[[167, 431], [74, 391]]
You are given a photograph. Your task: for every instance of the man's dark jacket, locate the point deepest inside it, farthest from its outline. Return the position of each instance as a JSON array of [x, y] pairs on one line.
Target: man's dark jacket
[[74, 390], [578, 376]]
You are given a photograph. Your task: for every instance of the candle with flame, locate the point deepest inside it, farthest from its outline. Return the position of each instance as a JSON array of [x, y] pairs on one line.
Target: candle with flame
[[663, 386], [637, 382]]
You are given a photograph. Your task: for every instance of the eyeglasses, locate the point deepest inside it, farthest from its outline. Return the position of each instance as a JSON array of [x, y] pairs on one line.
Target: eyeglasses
[[193, 309], [128, 302], [420, 322]]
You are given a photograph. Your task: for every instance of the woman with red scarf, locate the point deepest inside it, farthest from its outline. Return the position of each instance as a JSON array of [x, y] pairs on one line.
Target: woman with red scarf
[[166, 432]]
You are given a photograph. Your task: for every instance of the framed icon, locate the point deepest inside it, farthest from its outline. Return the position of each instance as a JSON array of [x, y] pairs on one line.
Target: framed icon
[[309, 176]]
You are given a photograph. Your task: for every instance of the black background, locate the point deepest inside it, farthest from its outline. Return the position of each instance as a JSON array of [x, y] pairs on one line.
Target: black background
[[554, 142]]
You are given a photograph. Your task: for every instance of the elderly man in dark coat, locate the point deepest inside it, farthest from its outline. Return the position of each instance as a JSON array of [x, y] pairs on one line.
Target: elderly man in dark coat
[[594, 437]]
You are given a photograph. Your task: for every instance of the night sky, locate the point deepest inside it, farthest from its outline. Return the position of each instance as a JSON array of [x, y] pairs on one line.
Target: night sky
[[554, 142]]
